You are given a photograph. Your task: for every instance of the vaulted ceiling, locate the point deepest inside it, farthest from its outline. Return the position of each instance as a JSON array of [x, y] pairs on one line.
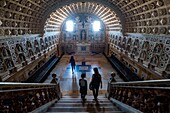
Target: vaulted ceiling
[[19, 17], [108, 16]]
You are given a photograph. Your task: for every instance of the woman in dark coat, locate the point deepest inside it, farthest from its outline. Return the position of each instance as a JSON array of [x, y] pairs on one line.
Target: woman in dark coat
[[96, 82], [73, 64]]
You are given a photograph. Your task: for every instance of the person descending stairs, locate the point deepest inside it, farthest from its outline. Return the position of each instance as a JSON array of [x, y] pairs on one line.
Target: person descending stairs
[[70, 104]]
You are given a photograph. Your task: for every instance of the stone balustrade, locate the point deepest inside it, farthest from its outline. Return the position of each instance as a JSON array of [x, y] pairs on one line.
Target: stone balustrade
[[23, 98], [146, 96]]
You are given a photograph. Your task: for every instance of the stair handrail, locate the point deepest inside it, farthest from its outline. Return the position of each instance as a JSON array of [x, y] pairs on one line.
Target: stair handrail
[[26, 97], [162, 82], [147, 96]]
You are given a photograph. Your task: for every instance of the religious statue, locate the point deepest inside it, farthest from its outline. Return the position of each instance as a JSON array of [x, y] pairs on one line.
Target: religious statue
[[31, 53], [20, 49], [21, 57], [157, 49], [77, 20], [83, 35], [154, 60], [9, 63], [4, 52], [89, 19], [146, 45], [37, 50], [143, 55]]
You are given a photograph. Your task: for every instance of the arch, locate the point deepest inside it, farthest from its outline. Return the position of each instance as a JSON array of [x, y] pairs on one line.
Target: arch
[[19, 48], [155, 60], [9, 63], [21, 58], [36, 44], [143, 55], [2, 65], [135, 51], [42, 44], [158, 48], [30, 53], [129, 42], [5, 52], [136, 43], [104, 3], [145, 45], [124, 43], [28, 45]]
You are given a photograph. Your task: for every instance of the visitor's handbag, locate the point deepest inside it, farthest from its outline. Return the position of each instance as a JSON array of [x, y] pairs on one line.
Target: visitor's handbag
[[90, 86]]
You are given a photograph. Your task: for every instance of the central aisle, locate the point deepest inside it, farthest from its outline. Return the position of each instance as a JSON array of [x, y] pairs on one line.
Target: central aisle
[[69, 82]]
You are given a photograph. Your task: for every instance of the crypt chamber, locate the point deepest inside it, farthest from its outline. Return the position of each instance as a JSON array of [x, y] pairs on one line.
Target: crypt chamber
[[131, 37]]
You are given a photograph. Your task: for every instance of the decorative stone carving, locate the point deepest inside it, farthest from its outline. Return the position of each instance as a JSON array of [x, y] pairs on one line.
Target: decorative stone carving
[[155, 30], [159, 3], [7, 32], [164, 57], [155, 22], [163, 30], [3, 3], [154, 60], [163, 21], [0, 23]]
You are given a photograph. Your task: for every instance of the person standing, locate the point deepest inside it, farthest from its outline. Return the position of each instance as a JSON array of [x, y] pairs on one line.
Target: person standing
[[112, 79], [54, 80], [96, 82], [83, 86], [73, 64]]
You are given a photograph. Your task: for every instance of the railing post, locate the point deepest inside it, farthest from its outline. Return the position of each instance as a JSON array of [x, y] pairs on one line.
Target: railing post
[[58, 89], [108, 89]]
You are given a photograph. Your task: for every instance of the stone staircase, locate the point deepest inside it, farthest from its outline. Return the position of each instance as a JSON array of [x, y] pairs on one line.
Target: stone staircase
[[70, 104]]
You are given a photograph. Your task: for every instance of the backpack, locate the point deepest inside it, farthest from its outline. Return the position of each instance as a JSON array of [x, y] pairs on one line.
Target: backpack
[[82, 83]]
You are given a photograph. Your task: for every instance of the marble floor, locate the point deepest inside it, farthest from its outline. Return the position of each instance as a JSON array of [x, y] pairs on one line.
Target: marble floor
[[84, 64]]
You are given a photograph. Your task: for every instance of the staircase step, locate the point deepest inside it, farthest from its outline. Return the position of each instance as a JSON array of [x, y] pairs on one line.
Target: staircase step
[[90, 98], [86, 97], [91, 112], [79, 109], [80, 101], [69, 104], [80, 104]]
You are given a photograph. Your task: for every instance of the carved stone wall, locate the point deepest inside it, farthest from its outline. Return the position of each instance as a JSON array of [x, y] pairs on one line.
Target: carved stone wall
[[145, 54], [20, 52]]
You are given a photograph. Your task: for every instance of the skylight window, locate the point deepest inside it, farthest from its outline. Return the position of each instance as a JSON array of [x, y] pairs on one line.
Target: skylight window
[[69, 25], [96, 25]]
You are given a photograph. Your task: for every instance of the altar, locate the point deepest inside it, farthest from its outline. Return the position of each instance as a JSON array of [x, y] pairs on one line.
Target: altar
[[83, 48], [83, 40]]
